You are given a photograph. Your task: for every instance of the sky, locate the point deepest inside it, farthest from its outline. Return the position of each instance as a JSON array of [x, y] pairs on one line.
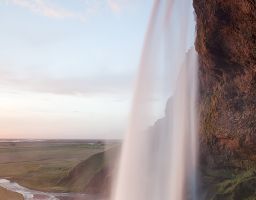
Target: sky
[[67, 67]]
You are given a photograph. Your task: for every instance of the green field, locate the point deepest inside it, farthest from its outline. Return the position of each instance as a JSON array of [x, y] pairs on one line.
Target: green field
[[42, 165]]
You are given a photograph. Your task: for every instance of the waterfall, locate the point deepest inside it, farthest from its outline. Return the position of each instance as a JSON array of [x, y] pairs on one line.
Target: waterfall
[[159, 153]]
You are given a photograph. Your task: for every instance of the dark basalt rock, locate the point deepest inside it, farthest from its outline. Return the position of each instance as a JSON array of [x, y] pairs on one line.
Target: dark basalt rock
[[226, 34], [226, 44]]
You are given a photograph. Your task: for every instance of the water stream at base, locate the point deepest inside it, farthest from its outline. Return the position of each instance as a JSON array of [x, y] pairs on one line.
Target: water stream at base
[[29, 194]]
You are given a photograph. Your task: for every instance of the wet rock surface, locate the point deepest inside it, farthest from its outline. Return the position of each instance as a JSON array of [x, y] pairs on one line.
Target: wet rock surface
[[226, 43]]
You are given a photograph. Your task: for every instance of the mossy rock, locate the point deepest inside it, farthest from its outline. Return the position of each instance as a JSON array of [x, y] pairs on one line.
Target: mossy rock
[[241, 186]]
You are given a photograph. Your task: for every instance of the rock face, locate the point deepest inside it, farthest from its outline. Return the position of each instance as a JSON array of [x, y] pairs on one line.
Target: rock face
[[226, 43]]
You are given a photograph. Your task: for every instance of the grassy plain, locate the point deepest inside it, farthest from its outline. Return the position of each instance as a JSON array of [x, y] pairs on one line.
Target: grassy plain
[[41, 165]]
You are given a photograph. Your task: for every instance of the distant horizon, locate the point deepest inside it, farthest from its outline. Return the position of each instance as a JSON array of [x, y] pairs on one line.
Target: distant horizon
[[40, 139]]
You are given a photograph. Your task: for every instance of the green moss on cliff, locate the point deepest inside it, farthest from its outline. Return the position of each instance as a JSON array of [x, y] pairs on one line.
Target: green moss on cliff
[[231, 184]]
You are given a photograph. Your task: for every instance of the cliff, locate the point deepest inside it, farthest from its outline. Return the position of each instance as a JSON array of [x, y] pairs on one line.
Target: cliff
[[226, 44]]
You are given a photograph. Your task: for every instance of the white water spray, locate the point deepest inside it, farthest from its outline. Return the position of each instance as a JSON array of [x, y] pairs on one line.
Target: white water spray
[[159, 154]]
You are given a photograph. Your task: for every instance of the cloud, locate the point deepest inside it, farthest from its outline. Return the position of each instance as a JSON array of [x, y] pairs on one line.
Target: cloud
[[48, 9], [118, 5], [44, 8], [114, 5], [43, 83]]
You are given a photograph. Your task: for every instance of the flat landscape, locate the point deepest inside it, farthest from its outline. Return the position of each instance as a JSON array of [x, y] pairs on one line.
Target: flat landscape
[[41, 165]]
